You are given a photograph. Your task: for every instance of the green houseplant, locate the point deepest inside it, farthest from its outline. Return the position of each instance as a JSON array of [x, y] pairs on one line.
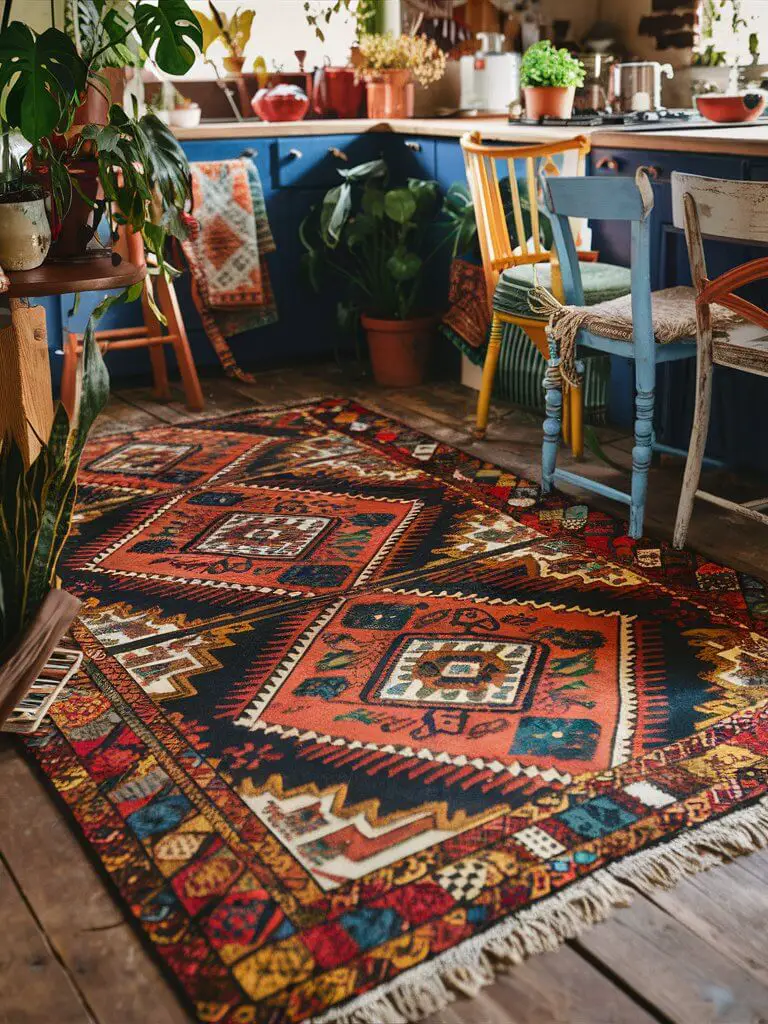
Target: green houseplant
[[549, 78], [373, 244], [122, 166], [234, 31], [36, 505]]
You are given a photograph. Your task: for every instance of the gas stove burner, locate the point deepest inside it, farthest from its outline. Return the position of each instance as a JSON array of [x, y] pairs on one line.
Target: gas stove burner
[[589, 118]]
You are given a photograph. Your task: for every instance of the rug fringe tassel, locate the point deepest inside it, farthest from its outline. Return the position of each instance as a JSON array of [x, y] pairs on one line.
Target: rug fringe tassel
[[475, 964], [662, 867]]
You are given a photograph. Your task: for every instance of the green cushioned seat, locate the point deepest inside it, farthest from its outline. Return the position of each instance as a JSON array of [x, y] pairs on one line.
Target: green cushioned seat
[[601, 281]]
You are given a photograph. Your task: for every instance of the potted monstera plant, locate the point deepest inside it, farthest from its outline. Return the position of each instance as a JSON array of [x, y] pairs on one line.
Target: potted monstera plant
[[96, 159], [376, 244]]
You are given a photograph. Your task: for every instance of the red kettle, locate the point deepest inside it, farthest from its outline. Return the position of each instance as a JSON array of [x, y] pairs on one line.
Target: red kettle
[[336, 93]]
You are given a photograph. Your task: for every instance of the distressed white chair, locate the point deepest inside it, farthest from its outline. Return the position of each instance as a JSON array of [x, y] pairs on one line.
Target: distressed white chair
[[736, 211]]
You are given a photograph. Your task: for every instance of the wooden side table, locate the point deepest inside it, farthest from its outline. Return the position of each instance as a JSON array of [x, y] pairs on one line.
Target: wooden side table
[[26, 400]]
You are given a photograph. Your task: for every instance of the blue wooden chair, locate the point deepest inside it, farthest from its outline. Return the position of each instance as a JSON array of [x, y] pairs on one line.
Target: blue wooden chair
[[609, 199]]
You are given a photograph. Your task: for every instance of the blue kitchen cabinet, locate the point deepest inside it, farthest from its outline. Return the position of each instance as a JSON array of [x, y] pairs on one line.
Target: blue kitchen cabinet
[[295, 172]]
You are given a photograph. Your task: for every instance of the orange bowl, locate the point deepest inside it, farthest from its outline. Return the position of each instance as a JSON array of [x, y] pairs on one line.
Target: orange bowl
[[719, 107]]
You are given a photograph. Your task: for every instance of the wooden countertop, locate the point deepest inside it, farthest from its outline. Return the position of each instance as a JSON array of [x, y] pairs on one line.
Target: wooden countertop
[[743, 141]]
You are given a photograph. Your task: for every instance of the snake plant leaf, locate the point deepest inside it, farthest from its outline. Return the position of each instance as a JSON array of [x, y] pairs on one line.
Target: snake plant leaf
[[399, 205], [172, 30], [94, 393], [39, 77]]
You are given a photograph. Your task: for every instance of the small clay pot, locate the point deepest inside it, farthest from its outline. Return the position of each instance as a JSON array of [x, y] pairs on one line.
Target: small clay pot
[[549, 101], [399, 349]]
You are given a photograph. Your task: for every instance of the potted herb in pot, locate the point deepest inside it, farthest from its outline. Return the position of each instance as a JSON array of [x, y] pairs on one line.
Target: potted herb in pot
[[549, 78], [233, 31], [185, 113], [389, 64], [376, 243]]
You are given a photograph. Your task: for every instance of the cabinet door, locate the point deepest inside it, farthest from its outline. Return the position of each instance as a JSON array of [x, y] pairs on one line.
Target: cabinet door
[[314, 161]]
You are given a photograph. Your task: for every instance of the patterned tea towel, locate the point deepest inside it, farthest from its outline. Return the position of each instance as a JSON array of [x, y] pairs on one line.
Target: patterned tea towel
[[229, 236]]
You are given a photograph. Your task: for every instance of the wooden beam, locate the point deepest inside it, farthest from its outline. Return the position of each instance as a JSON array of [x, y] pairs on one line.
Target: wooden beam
[[26, 402]]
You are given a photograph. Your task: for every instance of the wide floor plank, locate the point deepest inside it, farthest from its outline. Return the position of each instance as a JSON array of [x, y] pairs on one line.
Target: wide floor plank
[[121, 983], [549, 989], [34, 987], [728, 908], [688, 980]]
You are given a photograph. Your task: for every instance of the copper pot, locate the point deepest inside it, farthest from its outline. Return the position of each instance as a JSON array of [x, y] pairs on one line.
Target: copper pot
[[390, 94]]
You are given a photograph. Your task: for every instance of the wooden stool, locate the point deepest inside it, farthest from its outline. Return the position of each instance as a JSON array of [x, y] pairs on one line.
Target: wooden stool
[[149, 336]]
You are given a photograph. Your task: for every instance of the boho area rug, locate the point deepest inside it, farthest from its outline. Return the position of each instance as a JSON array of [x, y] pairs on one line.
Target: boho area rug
[[363, 719]]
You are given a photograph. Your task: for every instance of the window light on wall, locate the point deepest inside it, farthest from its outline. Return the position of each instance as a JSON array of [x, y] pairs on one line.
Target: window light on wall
[[280, 27], [725, 27]]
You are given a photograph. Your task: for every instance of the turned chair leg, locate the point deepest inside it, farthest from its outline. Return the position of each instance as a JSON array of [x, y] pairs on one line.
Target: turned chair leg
[[489, 372], [577, 416], [169, 304], [642, 452], [696, 445], [69, 374], [161, 388], [553, 398], [565, 425]]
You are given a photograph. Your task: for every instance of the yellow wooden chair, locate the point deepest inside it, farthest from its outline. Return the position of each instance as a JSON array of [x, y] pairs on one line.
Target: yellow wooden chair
[[509, 270]]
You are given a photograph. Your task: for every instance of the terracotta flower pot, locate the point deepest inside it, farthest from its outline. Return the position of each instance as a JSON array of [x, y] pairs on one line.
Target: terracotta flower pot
[[549, 100], [96, 101], [234, 65], [390, 94], [399, 349], [75, 238]]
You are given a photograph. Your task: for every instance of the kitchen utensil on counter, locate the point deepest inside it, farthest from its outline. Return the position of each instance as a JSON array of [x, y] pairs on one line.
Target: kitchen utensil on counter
[[741, 107], [489, 78], [636, 85], [336, 93], [281, 103], [593, 95]]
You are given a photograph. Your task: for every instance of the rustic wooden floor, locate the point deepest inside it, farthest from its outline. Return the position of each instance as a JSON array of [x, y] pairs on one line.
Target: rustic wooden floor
[[695, 955]]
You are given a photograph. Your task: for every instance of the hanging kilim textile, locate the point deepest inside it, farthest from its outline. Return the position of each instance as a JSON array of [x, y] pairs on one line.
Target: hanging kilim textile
[[362, 718]]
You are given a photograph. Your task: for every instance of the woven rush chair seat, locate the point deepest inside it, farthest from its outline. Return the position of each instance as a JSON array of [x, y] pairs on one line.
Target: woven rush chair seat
[[602, 282], [673, 319]]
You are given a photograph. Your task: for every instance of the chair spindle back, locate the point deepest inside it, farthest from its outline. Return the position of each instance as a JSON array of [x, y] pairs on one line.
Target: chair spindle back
[[522, 167]]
